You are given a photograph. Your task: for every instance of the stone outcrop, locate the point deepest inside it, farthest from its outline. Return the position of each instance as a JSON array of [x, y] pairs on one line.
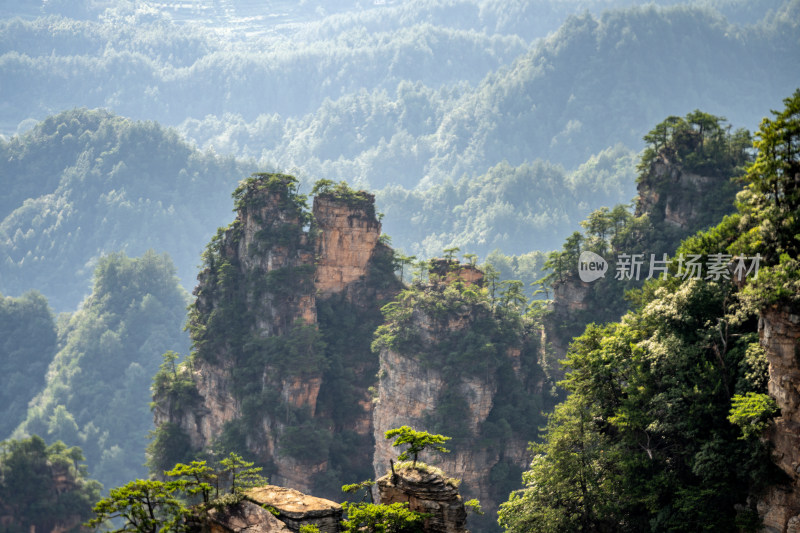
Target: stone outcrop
[[679, 198], [410, 393], [779, 330], [284, 271], [429, 493], [346, 243], [243, 517], [570, 295], [296, 509]]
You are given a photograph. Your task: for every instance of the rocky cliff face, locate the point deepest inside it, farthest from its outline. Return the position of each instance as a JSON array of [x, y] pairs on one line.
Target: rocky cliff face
[[263, 359], [429, 493], [680, 198], [347, 240], [779, 331], [431, 382], [409, 394]]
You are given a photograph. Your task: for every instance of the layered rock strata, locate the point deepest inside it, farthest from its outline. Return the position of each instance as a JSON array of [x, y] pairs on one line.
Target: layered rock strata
[[428, 493], [265, 276], [779, 331], [296, 509]]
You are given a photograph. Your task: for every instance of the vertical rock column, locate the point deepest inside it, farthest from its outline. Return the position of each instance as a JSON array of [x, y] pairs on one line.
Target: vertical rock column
[[779, 330]]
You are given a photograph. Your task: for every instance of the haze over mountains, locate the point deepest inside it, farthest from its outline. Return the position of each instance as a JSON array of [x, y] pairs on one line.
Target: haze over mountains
[[496, 127], [537, 108]]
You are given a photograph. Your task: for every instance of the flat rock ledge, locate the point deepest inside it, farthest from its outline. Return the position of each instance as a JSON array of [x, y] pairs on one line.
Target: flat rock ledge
[[296, 509]]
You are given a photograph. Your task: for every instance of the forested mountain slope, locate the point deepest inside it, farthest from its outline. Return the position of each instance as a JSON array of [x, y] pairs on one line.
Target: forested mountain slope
[[27, 345], [410, 93], [97, 387], [84, 183], [682, 416], [597, 81]]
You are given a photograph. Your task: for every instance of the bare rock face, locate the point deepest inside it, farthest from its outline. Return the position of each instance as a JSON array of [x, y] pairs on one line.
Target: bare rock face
[[410, 393], [243, 517], [570, 295], [269, 274], [780, 336], [426, 492], [296, 509], [346, 244], [671, 193]]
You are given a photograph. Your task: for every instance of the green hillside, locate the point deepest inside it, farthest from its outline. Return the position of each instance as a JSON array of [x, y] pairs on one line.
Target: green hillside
[[84, 183]]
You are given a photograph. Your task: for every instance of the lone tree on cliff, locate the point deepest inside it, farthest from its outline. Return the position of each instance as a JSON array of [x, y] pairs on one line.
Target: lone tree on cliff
[[417, 442]]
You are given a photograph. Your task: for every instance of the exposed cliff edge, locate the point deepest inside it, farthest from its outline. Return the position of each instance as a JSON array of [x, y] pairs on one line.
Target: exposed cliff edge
[[779, 330], [458, 363], [275, 369], [429, 492]]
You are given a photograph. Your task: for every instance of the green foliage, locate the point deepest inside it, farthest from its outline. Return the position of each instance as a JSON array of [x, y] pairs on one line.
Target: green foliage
[[242, 474], [196, 478], [247, 196], [381, 518], [342, 192], [666, 400], [365, 486], [751, 412], [309, 528], [474, 506], [169, 444], [27, 346], [42, 486], [142, 506], [699, 143], [773, 178], [98, 386], [86, 181], [417, 441], [174, 382], [644, 435]]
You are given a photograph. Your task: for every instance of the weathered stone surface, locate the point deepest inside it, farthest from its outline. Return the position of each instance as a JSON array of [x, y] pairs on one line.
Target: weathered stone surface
[[570, 295], [243, 517], [779, 330], [426, 493], [296, 509], [682, 208], [348, 237], [408, 392]]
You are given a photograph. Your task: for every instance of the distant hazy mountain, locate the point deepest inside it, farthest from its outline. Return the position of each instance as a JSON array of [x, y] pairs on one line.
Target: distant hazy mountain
[[84, 183]]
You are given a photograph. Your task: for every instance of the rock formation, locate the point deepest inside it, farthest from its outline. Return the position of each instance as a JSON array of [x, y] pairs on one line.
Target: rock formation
[[679, 198], [271, 509], [256, 329], [427, 386], [779, 330], [296, 509], [427, 492], [242, 517], [286, 308]]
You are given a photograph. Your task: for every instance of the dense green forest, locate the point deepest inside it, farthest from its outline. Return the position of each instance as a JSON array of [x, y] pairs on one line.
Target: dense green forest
[[476, 127], [498, 128], [97, 390], [84, 183], [27, 345], [664, 402], [44, 488], [413, 93]]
